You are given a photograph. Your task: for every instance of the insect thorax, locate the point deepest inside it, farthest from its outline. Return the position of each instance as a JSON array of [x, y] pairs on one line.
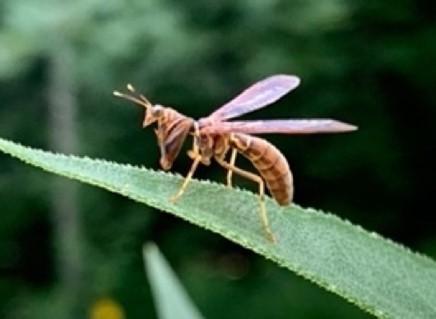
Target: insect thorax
[[211, 145]]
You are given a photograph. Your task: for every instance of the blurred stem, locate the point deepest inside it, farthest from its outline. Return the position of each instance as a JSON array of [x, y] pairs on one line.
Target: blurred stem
[[62, 129]]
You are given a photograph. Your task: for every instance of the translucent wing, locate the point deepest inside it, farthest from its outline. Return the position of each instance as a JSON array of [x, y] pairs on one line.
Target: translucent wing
[[256, 96], [311, 126]]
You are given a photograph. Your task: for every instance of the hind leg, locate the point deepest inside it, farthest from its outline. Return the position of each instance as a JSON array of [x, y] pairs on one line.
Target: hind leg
[[255, 178]]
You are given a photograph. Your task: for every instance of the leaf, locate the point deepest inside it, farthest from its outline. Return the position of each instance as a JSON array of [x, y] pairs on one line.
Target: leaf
[[381, 277], [170, 298]]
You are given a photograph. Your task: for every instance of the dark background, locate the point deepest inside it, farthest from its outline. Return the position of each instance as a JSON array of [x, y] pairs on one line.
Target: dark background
[[65, 248]]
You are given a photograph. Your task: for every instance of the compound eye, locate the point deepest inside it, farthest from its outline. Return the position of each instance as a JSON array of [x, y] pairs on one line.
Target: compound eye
[[157, 111]]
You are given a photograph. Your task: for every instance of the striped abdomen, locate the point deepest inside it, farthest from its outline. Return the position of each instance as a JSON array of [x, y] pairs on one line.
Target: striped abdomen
[[271, 164]]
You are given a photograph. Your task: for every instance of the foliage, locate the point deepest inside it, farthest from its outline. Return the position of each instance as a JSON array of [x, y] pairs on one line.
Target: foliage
[[377, 275], [171, 300]]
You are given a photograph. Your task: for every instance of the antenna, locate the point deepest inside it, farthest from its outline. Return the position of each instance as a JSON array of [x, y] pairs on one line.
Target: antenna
[[139, 99]]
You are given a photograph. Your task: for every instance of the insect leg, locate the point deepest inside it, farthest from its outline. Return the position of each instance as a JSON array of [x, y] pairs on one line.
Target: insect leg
[[255, 178], [187, 179], [232, 163], [195, 155]]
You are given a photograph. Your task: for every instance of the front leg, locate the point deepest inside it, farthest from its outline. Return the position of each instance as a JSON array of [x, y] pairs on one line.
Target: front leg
[[197, 158], [195, 155]]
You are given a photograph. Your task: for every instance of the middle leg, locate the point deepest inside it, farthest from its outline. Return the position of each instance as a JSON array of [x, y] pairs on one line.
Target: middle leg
[[232, 163]]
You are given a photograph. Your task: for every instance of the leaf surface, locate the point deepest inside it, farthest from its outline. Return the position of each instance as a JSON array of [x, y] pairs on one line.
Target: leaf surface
[[379, 276]]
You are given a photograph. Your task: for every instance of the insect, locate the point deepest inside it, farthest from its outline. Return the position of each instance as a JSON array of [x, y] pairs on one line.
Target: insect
[[215, 137]]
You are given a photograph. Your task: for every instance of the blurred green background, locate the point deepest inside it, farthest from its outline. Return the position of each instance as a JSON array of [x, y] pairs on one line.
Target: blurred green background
[[66, 249]]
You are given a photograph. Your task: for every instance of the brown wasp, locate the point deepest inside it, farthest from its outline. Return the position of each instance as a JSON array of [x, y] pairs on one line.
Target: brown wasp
[[215, 137]]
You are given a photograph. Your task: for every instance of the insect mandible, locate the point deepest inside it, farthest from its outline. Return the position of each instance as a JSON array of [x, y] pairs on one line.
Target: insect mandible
[[214, 137]]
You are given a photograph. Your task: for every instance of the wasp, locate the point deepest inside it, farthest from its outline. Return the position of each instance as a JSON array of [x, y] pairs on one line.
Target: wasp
[[215, 137]]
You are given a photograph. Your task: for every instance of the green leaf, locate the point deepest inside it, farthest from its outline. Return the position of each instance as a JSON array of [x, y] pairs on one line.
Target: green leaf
[[379, 276], [170, 298]]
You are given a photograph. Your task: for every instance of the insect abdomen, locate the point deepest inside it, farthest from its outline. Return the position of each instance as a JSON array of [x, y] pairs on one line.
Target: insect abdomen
[[271, 164]]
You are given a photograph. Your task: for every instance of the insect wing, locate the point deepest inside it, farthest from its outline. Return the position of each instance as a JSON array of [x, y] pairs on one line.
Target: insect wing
[[311, 126], [257, 96], [171, 137]]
